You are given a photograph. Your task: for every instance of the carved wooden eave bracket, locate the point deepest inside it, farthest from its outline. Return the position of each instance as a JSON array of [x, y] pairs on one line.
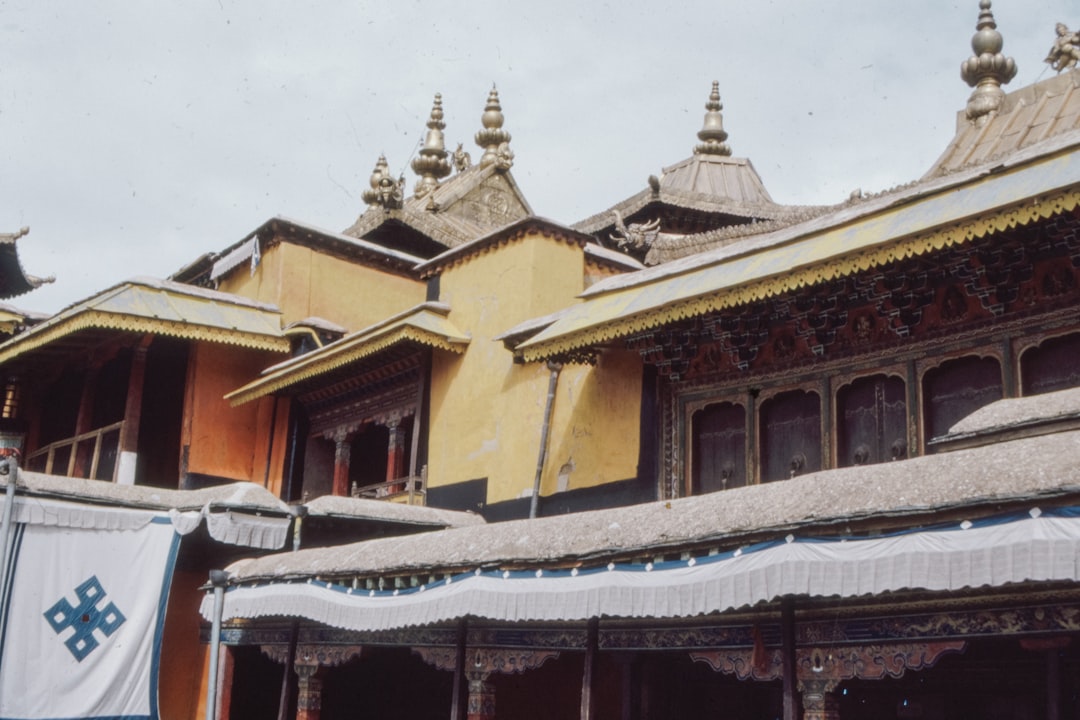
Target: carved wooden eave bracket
[[824, 668]]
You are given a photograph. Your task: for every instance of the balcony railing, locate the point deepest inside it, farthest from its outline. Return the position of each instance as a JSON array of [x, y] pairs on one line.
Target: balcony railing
[[410, 490], [89, 455]]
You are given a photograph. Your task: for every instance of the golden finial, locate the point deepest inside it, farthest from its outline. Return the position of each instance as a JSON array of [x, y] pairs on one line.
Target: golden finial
[[492, 138], [988, 69], [432, 163], [712, 134], [385, 190]]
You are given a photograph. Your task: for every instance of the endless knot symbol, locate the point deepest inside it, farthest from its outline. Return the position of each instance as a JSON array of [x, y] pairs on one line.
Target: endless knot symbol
[[85, 618]]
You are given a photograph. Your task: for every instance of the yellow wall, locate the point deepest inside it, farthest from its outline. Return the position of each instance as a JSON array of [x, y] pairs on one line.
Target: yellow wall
[[305, 283], [487, 412]]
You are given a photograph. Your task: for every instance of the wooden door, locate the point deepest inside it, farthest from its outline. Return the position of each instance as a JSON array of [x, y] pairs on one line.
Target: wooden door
[[790, 435], [871, 421], [719, 448]]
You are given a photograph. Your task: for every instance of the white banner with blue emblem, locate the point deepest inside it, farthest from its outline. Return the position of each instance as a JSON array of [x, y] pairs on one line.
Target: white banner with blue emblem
[[81, 624]]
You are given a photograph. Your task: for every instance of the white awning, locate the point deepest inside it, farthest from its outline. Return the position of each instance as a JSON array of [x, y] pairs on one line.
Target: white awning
[[1034, 547]]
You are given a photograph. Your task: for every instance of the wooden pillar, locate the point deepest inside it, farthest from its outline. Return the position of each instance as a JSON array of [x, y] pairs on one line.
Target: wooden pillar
[[1053, 684], [819, 700], [342, 455], [588, 701], [79, 462], [86, 402], [481, 697], [309, 691], [129, 433], [227, 664], [787, 632], [458, 707], [395, 453]]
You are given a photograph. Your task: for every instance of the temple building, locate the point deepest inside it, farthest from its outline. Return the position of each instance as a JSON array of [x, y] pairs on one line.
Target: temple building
[[699, 453]]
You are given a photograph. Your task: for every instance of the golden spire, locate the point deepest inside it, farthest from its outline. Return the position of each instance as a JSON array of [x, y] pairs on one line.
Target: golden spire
[[432, 163], [492, 138], [988, 69], [385, 190], [712, 134]]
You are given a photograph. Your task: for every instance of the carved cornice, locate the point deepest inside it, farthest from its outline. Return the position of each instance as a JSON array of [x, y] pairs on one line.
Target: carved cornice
[[313, 655], [831, 664], [484, 661]]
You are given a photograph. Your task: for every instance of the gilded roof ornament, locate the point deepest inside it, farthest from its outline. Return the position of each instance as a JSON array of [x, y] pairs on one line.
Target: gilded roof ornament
[[432, 162], [385, 190], [712, 134], [462, 159], [1065, 52], [635, 237], [988, 69], [492, 138], [12, 237]]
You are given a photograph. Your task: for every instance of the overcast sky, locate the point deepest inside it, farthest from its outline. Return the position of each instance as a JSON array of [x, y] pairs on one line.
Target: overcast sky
[[136, 136]]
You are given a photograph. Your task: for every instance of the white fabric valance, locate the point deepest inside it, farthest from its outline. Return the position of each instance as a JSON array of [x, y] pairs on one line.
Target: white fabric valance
[[226, 526], [58, 513], [1033, 547]]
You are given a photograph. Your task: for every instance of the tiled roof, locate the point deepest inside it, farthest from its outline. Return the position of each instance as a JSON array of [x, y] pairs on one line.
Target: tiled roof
[[149, 305], [1027, 116]]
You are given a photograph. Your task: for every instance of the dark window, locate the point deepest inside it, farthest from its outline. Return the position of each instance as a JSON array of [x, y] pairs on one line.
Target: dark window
[[1054, 365], [957, 388], [367, 459], [871, 421], [719, 448], [790, 435]]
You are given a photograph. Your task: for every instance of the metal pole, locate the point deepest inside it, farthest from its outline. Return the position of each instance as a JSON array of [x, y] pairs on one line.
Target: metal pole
[[218, 578], [10, 468], [553, 381]]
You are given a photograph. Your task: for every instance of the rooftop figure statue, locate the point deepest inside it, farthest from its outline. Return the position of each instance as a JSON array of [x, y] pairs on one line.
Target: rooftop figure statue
[[1065, 52]]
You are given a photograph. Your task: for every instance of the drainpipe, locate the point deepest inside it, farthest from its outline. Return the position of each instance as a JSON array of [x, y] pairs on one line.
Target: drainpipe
[[270, 443], [218, 578], [553, 382]]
